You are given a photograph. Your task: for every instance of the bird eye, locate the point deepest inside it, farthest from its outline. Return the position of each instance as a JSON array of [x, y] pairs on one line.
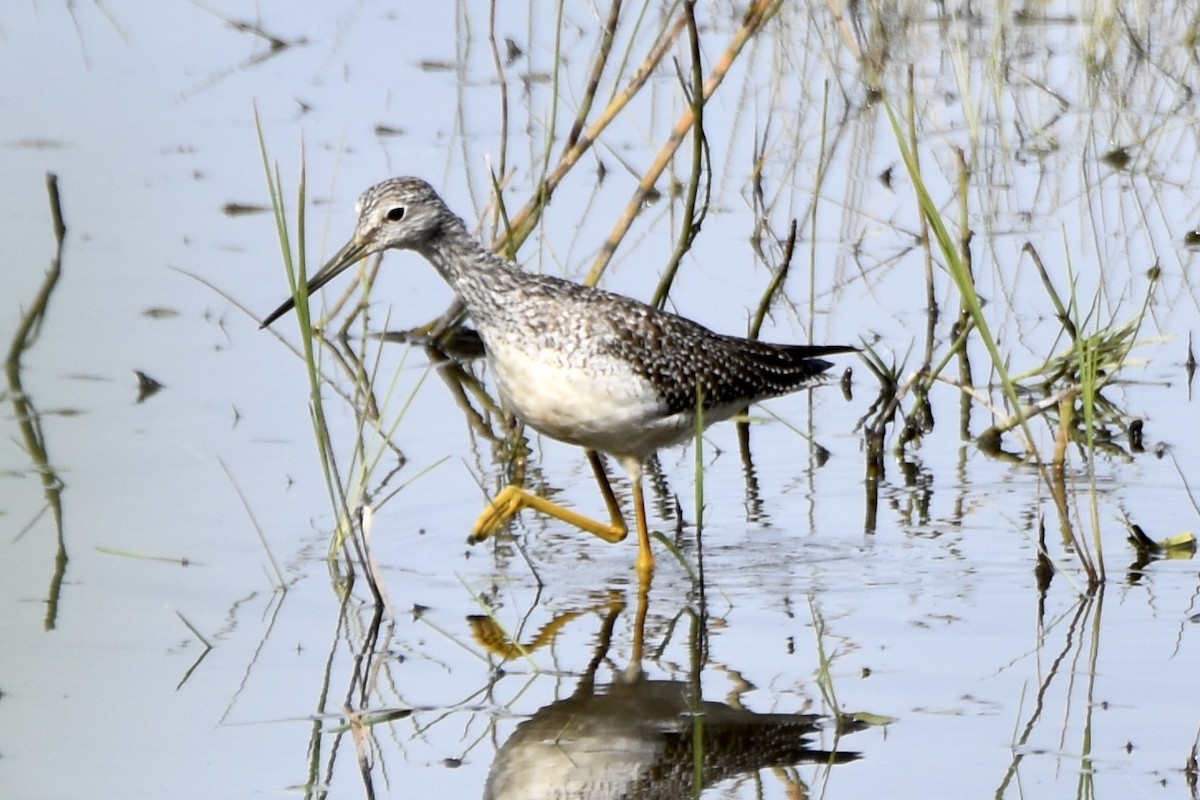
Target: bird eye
[[395, 214]]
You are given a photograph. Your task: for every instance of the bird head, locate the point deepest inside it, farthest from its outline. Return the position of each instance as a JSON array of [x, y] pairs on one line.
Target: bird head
[[397, 214]]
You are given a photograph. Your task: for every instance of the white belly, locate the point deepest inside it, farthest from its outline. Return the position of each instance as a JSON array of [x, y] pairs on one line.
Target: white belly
[[600, 404]]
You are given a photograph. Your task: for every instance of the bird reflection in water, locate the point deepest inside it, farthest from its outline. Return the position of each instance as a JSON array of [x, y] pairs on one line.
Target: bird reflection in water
[[636, 737]]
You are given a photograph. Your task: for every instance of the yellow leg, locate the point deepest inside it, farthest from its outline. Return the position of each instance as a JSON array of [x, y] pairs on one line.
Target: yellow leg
[[645, 559], [512, 499]]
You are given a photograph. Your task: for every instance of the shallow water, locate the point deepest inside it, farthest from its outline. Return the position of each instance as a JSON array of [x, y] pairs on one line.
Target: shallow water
[[183, 515]]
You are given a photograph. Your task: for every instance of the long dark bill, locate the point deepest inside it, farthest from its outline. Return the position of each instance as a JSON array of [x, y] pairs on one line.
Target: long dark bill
[[346, 257]]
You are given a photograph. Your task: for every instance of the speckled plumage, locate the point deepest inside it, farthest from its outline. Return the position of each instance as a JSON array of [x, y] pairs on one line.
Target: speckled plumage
[[579, 364], [640, 738]]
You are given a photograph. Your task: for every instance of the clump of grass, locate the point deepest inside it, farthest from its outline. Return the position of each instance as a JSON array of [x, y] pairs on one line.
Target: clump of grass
[[363, 483], [1067, 390]]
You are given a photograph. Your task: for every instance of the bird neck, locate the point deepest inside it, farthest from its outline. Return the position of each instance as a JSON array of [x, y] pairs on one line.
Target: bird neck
[[477, 275]]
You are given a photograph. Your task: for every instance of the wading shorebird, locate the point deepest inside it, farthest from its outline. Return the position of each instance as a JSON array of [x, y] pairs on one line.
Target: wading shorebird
[[578, 364]]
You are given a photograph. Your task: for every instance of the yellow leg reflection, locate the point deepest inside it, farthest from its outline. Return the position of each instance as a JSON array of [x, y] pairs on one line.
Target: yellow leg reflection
[[488, 633], [639, 622]]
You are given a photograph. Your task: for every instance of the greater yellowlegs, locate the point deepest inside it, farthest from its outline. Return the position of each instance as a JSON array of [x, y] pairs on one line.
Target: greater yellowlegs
[[576, 363]]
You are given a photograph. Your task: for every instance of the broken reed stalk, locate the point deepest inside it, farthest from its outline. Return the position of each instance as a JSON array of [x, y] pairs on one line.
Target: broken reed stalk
[[756, 16], [691, 218]]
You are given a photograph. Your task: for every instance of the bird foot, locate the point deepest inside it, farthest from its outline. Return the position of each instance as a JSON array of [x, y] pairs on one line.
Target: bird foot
[[513, 498], [503, 507]]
